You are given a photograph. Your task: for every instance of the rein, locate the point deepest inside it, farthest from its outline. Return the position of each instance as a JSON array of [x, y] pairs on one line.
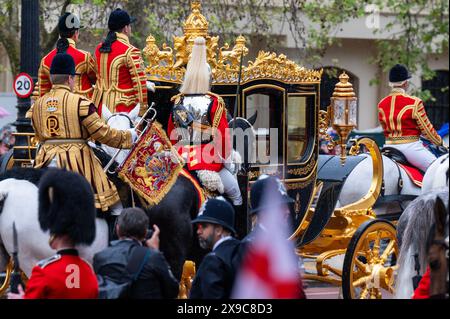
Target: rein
[[123, 115]]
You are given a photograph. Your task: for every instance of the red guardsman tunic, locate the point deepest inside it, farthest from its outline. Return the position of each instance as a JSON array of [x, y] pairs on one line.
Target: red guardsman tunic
[[63, 276], [423, 290], [84, 65], [122, 82], [404, 119], [209, 155]]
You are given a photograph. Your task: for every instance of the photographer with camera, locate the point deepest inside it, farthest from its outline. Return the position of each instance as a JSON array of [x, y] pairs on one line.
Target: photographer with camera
[[133, 267]]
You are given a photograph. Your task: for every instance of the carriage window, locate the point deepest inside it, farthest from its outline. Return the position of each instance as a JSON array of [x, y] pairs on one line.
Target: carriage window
[[269, 105], [296, 134]]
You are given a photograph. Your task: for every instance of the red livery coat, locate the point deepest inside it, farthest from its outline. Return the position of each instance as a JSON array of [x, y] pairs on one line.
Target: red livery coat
[[404, 119], [122, 82], [84, 65]]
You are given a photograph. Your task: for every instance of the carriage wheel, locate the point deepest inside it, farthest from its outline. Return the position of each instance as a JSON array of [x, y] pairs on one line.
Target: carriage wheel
[[369, 264], [5, 284]]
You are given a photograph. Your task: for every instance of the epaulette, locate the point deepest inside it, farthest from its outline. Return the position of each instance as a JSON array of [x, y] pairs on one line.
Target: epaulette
[[45, 262], [176, 98], [217, 96]]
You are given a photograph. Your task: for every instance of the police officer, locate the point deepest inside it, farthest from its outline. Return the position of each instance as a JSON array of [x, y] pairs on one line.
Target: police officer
[[257, 201], [404, 119], [63, 122], [67, 211], [69, 32], [122, 82], [216, 274]]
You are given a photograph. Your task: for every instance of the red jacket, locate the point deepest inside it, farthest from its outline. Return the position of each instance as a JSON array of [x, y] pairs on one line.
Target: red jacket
[[423, 290], [207, 156], [404, 119], [122, 82], [84, 65], [63, 276]]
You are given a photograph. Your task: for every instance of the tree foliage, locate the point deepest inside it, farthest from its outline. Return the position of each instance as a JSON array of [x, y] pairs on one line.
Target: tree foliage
[[419, 28]]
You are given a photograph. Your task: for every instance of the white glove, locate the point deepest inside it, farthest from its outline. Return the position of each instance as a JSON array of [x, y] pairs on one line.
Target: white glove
[[151, 86], [134, 136]]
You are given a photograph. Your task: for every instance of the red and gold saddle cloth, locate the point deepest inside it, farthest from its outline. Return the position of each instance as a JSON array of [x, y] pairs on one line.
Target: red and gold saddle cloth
[[413, 173], [153, 165]]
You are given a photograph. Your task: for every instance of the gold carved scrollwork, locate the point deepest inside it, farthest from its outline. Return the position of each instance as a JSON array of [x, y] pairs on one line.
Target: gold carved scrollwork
[[324, 121], [303, 170], [225, 63], [304, 184]]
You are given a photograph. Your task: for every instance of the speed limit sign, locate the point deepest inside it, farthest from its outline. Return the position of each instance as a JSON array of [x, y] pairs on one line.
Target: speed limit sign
[[23, 85]]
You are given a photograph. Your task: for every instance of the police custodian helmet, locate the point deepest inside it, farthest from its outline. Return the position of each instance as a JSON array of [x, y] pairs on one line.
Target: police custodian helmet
[[217, 211], [267, 185], [66, 206]]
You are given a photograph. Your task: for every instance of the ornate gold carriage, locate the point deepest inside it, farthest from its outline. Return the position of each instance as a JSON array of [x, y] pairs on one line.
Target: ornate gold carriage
[[284, 98]]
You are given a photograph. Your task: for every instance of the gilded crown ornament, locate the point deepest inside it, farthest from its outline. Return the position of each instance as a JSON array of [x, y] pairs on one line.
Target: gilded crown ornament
[[169, 65]]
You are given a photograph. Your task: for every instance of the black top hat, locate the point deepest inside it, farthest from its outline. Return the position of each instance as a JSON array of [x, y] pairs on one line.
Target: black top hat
[[399, 73], [63, 63], [119, 19], [68, 22], [66, 206], [217, 211], [267, 185]]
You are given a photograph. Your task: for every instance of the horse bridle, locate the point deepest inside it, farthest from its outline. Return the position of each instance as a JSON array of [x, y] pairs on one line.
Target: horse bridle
[[124, 115]]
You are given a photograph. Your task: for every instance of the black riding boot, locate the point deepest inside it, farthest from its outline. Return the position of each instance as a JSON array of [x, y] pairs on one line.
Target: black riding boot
[[112, 221], [241, 221]]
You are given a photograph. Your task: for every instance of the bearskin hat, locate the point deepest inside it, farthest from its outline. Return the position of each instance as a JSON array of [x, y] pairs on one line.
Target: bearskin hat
[[66, 206]]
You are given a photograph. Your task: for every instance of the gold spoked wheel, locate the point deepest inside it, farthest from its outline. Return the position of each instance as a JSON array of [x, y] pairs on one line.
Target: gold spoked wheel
[[370, 261], [5, 284]]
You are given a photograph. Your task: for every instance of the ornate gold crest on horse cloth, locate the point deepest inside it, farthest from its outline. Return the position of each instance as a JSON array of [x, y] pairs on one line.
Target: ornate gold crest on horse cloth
[[153, 165]]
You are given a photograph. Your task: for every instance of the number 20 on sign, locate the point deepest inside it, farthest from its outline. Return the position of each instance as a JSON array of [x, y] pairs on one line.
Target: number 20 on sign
[[23, 85]]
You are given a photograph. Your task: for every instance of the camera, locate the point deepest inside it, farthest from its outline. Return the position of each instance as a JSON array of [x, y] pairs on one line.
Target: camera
[[149, 235]]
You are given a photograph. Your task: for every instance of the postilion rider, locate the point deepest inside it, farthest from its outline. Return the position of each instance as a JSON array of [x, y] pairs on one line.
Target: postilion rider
[[69, 33], [63, 122], [404, 119]]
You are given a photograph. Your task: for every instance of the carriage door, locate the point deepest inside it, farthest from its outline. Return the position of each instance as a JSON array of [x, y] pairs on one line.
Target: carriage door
[[268, 101], [301, 153]]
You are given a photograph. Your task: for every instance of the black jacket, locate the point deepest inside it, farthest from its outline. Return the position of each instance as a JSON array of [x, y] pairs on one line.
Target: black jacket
[[155, 281], [216, 274]]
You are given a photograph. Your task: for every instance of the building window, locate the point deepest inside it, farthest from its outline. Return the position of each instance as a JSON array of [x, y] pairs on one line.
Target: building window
[[437, 109], [330, 78]]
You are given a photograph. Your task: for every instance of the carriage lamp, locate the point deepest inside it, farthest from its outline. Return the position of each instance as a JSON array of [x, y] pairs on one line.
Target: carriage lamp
[[342, 112]]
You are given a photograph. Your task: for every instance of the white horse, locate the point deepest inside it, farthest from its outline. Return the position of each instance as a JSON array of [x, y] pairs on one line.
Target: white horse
[[119, 121], [436, 175], [19, 205], [358, 182], [412, 232]]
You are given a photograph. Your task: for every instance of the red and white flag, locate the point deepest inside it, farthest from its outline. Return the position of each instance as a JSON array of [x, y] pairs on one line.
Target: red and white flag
[[270, 267]]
